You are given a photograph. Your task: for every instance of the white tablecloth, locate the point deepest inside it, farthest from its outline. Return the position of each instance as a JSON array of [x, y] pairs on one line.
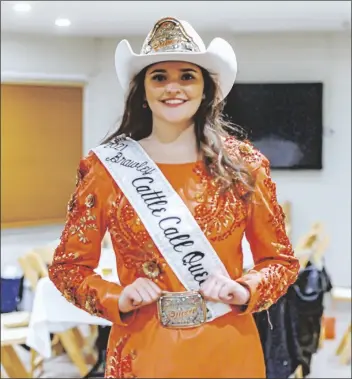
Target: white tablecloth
[[52, 313]]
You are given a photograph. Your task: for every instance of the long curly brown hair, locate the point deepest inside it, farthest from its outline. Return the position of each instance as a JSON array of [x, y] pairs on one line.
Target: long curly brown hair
[[211, 128]]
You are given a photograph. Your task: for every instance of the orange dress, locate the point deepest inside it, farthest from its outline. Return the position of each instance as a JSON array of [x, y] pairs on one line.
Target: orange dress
[[229, 346]]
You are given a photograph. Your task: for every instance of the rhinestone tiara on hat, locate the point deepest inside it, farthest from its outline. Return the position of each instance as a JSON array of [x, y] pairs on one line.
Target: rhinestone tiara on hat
[[168, 35]]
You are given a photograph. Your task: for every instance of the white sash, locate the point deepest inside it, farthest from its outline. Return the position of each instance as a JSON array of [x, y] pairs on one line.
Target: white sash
[[165, 216]]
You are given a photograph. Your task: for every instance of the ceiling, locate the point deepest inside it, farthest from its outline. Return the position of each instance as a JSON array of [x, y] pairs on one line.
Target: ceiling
[[111, 18]]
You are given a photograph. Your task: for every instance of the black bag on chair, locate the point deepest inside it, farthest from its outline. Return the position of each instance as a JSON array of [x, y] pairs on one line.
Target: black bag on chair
[[296, 319], [310, 288]]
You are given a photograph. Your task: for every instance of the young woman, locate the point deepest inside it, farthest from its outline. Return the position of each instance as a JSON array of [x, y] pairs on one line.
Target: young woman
[[177, 194]]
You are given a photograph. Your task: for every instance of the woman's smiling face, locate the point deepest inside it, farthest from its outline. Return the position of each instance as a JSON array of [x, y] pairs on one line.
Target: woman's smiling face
[[174, 91]]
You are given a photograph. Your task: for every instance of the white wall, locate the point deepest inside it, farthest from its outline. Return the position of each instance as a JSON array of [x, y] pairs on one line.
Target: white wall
[[316, 196]]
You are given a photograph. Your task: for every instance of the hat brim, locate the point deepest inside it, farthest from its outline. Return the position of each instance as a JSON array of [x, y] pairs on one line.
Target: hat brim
[[219, 60]]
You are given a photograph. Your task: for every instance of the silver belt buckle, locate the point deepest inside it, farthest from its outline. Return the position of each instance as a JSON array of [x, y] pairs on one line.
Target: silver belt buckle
[[181, 310]]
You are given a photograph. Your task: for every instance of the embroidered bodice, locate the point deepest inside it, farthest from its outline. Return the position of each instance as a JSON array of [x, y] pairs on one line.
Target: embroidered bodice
[[98, 205]]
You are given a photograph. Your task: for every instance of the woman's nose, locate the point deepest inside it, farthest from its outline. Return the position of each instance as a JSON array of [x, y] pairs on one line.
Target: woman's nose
[[172, 88]]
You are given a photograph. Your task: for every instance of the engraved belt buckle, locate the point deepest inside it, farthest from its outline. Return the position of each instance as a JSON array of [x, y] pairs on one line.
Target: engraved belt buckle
[[181, 310]]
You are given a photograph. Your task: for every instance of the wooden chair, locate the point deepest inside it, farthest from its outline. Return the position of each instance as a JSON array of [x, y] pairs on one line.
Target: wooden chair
[[286, 207], [46, 253], [344, 347], [71, 340], [11, 339], [312, 247], [298, 374], [306, 247], [33, 268]]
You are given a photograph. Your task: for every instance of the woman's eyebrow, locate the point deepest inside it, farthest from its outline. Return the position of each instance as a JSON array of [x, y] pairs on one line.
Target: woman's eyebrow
[[188, 69], [160, 70]]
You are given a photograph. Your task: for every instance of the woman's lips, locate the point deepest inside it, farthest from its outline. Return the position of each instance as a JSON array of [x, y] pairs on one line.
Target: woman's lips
[[173, 102]]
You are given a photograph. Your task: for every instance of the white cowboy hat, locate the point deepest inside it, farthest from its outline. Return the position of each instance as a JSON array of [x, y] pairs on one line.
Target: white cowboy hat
[[175, 40]]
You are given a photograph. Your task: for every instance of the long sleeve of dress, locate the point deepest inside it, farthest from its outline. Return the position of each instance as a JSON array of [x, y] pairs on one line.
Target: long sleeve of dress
[[276, 267], [78, 254]]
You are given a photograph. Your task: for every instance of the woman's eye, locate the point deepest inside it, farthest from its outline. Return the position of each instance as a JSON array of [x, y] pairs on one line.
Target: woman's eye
[[158, 78], [187, 77]]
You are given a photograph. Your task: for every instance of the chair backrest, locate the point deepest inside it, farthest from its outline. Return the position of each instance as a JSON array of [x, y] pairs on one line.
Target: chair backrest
[[33, 267], [312, 246], [46, 253], [286, 207], [319, 250]]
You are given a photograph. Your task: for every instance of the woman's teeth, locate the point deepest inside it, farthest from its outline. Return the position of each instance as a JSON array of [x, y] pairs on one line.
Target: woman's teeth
[[174, 101]]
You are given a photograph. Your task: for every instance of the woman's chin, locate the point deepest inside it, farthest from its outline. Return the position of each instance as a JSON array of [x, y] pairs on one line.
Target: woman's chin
[[177, 119]]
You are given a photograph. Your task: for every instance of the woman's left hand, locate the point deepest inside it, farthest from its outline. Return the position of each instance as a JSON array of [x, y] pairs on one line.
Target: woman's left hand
[[222, 289]]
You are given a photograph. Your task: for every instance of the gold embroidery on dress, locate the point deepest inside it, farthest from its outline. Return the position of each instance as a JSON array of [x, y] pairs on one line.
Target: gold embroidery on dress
[[134, 245], [151, 269], [62, 255], [69, 295], [68, 278], [90, 201], [67, 275], [85, 223], [72, 203], [271, 286], [217, 214], [275, 278], [90, 302], [244, 149], [119, 366], [79, 177], [277, 218], [84, 167]]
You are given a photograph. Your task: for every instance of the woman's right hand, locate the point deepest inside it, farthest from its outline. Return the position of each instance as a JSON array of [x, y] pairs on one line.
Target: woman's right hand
[[141, 292]]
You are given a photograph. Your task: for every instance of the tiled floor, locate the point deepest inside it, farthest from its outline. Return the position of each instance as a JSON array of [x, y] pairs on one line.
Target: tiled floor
[[16, 242]]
